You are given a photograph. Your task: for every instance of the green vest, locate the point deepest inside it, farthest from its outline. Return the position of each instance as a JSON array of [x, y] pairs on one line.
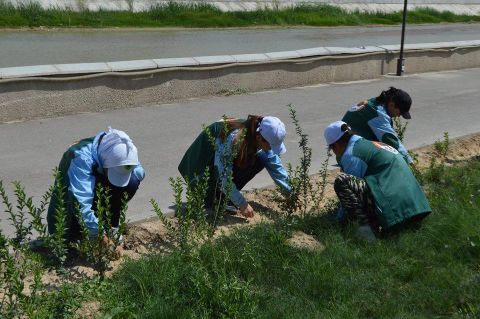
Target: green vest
[[199, 156], [358, 120], [69, 199], [394, 187]]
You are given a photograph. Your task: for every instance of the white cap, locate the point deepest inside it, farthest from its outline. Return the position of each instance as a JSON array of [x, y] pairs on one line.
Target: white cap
[[119, 155], [334, 132], [273, 131]]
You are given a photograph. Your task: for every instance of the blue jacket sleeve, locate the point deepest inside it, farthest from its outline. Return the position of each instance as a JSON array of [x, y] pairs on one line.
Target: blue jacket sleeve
[[385, 133], [275, 168], [223, 164], [82, 186]]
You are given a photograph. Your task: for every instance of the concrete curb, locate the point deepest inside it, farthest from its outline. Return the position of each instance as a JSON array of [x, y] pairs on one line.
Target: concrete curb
[[142, 65]]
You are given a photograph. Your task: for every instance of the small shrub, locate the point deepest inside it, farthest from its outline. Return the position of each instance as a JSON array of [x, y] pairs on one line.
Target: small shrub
[[436, 170], [306, 195], [399, 128], [442, 147], [101, 249], [191, 227]]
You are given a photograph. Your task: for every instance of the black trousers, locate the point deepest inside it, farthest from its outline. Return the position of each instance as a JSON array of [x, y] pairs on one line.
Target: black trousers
[[240, 175]]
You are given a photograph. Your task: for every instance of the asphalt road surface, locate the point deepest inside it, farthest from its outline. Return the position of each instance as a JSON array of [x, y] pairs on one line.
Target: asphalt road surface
[[20, 48], [443, 102]]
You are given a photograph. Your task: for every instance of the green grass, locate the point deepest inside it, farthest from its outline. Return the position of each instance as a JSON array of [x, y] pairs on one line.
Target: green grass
[[205, 15], [431, 272]]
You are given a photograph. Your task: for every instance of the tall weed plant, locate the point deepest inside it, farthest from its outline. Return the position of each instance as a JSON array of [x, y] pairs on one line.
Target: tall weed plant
[[306, 193], [191, 227], [102, 249], [437, 167], [21, 270]]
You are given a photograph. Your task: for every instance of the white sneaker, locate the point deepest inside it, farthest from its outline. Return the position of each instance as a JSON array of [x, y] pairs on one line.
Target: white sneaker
[[365, 232], [115, 232]]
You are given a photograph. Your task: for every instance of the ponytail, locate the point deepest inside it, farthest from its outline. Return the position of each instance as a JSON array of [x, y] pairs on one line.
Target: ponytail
[[386, 96]]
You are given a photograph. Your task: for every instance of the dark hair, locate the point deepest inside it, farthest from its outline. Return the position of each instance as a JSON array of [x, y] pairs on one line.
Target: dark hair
[[248, 146], [402, 99], [346, 136]]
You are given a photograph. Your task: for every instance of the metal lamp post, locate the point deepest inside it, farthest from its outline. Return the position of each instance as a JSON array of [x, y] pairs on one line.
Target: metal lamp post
[[401, 60]]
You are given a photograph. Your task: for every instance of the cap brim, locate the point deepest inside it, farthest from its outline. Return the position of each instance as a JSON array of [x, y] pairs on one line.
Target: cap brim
[[118, 176], [279, 149], [406, 115]]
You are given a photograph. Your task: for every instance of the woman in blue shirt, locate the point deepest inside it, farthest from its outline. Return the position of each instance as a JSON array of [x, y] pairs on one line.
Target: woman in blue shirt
[[237, 148], [372, 119]]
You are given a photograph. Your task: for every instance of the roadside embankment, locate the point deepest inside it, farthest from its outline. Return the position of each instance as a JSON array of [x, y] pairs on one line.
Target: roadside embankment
[[53, 90], [455, 6]]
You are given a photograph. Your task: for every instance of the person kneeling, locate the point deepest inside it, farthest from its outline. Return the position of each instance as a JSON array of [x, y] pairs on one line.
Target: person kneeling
[[376, 186]]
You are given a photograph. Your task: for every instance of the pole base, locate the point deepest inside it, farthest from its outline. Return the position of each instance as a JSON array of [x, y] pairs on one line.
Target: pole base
[[400, 67]]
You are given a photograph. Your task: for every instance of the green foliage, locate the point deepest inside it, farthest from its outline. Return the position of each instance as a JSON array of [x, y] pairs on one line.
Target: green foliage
[[22, 293], [427, 272], [174, 14], [100, 250], [437, 168], [25, 227], [11, 281], [192, 227], [307, 194], [227, 161], [442, 147], [18, 216], [399, 128], [197, 285], [230, 92], [57, 243]]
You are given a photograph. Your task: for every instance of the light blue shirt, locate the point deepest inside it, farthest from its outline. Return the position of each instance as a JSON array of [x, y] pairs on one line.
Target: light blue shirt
[[350, 163], [82, 180], [224, 165], [381, 125]]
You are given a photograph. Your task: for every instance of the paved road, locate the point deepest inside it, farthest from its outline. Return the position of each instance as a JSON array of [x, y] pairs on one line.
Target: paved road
[[446, 101], [19, 48]]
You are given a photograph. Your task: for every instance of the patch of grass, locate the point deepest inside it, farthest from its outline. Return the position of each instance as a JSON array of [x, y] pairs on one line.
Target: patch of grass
[[230, 92], [204, 15], [428, 272]]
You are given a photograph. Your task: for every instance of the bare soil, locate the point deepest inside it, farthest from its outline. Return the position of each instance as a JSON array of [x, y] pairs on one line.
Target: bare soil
[[304, 241]]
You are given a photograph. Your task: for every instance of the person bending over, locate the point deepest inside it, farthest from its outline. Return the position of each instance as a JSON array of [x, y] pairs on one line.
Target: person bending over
[[109, 159], [242, 148], [372, 119]]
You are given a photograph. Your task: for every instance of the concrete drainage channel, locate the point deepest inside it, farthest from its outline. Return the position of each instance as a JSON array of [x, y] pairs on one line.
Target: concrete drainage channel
[[51, 90]]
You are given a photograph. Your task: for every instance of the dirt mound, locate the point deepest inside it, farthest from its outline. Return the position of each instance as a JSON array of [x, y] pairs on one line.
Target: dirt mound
[[304, 241], [147, 237], [459, 150]]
